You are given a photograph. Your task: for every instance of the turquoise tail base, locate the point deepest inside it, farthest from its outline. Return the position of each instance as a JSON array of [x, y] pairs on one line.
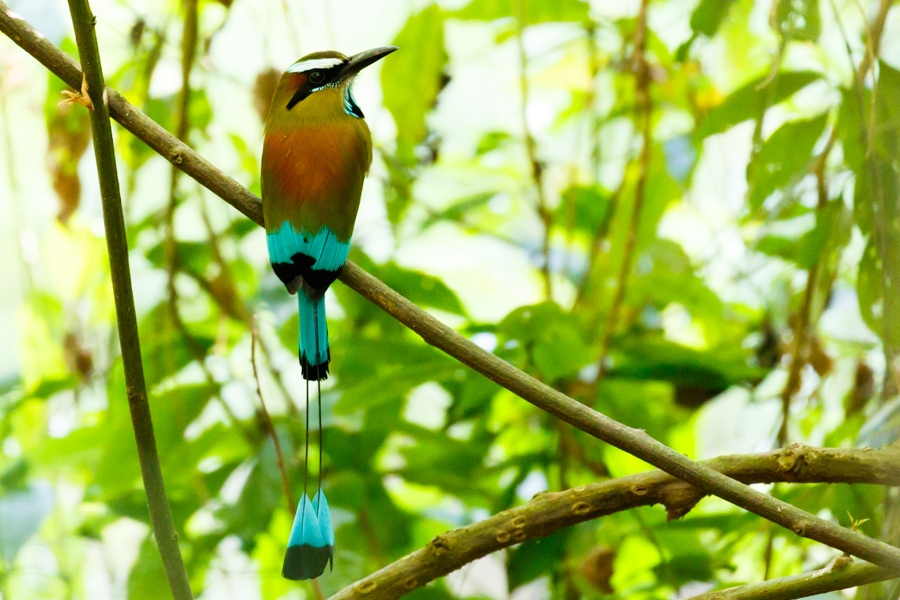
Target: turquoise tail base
[[313, 366], [311, 544]]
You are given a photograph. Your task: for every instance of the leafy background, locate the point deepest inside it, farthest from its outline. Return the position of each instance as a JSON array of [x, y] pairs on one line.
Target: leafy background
[[757, 236]]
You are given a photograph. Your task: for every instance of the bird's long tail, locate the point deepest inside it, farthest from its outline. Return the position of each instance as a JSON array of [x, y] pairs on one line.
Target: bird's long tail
[[314, 351], [311, 543]]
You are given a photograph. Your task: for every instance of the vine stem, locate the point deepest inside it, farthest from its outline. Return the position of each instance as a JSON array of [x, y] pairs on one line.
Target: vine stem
[[117, 248], [633, 441]]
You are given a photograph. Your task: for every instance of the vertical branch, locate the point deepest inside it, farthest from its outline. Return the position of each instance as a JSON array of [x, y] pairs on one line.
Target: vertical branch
[[268, 420], [117, 248], [537, 170], [230, 302], [643, 113], [801, 331], [593, 125], [182, 129]]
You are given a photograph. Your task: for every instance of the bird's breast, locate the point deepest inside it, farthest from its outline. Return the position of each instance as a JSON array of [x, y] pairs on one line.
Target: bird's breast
[[312, 173]]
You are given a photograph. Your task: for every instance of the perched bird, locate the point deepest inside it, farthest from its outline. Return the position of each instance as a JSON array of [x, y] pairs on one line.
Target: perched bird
[[316, 153]]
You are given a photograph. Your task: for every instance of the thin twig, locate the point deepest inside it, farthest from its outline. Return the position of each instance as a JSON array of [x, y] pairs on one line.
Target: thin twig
[[434, 332], [841, 573], [804, 318], [182, 129], [285, 483], [643, 115], [536, 168], [117, 248], [14, 194], [317, 589], [550, 512], [233, 305]]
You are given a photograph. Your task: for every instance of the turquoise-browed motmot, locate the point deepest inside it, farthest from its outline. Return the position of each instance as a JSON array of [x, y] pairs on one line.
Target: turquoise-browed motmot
[[316, 153]]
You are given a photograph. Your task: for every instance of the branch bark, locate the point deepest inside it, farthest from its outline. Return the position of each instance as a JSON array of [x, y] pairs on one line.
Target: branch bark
[[548, 512], [841, 574], [634, 441], [117, 248]]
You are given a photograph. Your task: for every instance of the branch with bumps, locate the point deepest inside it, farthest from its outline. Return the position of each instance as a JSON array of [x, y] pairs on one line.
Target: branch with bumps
[[550, 512]]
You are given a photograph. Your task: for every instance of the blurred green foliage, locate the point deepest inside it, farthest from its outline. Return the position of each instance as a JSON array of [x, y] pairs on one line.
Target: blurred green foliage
[[768, 214]]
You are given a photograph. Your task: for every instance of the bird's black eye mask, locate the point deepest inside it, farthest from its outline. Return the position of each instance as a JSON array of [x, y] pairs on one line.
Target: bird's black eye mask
[[316, 79]]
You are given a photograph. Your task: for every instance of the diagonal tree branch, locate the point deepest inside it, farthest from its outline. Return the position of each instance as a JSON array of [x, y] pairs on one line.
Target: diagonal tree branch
[[117, 248], [631, 440], [840, 574], [548, 512]]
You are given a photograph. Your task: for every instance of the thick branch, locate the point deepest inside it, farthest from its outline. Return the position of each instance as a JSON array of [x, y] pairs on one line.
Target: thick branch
[[547, 513], [841, 574], [628, 439], [117, 247]]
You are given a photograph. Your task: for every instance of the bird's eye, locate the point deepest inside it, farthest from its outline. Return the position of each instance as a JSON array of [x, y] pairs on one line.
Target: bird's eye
[[316, 76]]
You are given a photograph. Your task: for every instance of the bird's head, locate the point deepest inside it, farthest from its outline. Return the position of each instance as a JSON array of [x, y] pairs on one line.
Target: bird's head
[[324, 70]]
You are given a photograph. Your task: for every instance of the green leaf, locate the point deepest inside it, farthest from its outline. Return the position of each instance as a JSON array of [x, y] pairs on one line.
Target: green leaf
[[533, 11], [749, 102], [799, 19], [148, 577], [260, 496], [536, 557], [777, 245], [165, 350], [411, 86], [869, 288], [378, 370], [457, 211], [783, 158], [586, 209], [419, 66], [708, 16], [887, 95], [666, 276], [439, 460], [696, 375], [191, 256], [553, 339], [199, 110], [420, 288], [832, 229], [491, 141], [21, 514]]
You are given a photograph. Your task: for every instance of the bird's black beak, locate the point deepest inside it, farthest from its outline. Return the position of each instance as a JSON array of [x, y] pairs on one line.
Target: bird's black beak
[[360, 61]]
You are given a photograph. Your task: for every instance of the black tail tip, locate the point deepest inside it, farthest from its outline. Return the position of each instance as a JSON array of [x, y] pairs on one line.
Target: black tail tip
[[306, 562], [317, 372]]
